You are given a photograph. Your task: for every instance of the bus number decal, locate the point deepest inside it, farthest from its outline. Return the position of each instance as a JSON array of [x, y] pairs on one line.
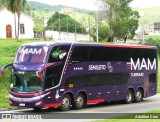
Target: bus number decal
[[70, 85]]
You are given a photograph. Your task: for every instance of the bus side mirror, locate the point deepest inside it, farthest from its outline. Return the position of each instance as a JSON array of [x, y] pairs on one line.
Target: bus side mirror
[[3, 68]]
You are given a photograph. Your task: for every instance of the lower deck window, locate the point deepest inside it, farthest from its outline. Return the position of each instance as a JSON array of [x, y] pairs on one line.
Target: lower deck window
[[98, 80]]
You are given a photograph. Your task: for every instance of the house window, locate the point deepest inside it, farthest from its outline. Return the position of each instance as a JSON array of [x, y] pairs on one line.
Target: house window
[[22, 31]]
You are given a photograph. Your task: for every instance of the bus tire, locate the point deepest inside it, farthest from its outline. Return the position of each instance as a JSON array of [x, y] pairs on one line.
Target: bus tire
[[66, 103], [37, 109], [129, 97], [139, 96], [80, 101]]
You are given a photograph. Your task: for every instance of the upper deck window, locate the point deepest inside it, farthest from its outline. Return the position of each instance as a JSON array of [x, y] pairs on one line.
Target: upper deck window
[[31, 54], [58, 53]]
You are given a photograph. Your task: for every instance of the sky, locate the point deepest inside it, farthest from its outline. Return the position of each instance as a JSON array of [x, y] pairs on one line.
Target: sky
[[145, 3], [91, 4]]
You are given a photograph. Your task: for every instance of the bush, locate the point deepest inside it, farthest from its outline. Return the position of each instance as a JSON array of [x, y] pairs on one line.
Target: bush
[[154, 42]]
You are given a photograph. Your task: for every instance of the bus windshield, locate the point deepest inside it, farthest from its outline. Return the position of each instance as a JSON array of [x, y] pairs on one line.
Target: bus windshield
[[26, 82], [31, 55]]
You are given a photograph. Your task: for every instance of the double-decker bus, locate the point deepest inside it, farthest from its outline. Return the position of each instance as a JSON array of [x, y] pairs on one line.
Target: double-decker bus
[[46, 75]]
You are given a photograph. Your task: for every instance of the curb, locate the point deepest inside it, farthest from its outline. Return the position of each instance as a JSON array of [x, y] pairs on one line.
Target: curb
[[10, 109]]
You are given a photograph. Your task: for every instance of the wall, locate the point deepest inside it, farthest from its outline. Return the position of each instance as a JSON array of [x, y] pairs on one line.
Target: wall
[[7, 17], [55, 35]]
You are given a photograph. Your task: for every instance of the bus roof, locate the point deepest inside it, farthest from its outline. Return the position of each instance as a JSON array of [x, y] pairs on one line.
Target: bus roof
[[116, 45], [89, 44], [45, 43]]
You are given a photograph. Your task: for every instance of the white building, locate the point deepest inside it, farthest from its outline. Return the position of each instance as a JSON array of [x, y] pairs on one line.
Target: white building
[[7, 25]]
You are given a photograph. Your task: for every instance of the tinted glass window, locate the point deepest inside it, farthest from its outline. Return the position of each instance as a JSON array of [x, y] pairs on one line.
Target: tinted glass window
[[31, 54], [98, 79], [99, 53], [58, 54], [80, 53], [53, 75]]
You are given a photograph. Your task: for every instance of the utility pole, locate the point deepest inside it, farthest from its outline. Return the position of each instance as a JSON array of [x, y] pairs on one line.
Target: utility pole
[[59, 27], [97, 29], [75, 30], [67, 24], [89, 24]]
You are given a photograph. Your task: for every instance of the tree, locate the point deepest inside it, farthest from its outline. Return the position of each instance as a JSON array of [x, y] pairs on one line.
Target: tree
[[2, 3], [112, 16], [127, 26], [103, 32], [62, 22], [16, 6], [121, 20]]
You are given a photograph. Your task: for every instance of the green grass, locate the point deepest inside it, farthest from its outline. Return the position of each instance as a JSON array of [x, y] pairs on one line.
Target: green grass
[[131, 117], [153, 37], [159, 77]]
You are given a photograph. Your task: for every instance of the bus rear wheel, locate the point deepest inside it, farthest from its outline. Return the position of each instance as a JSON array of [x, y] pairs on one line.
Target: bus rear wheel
[[80, 101], [66, 103], [129, 97], [139, 96]]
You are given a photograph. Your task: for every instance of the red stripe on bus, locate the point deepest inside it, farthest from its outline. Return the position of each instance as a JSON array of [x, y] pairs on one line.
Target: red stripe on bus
[[129, 67], [95, 101], [52, 105], [126, 46]]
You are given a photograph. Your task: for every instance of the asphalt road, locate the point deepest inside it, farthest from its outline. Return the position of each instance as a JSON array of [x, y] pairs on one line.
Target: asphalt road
[[98, 111]]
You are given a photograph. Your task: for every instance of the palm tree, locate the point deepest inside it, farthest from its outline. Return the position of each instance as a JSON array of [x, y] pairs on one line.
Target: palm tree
[[16, 6]]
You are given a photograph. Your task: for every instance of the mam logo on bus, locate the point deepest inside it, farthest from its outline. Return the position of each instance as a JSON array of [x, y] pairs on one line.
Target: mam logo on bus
[[143, 65], [31, 51]]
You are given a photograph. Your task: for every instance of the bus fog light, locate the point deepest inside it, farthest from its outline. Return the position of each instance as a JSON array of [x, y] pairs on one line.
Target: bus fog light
[[57, 96], [38, 103]]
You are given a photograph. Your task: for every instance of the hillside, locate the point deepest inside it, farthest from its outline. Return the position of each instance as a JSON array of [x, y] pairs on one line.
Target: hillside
[[42, 6], [151, 15]]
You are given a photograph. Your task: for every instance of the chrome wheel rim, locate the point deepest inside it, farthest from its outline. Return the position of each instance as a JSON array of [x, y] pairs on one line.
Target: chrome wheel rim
[[79, 101], [129, 97], [138, 95], [65, 102]]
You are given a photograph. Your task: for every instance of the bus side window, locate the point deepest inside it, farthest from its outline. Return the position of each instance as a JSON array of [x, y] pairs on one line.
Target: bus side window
[[80, 54], [58, 54], [152, 77]]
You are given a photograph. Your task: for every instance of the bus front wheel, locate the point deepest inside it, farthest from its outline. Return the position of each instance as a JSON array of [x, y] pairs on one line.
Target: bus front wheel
[[139, 96], [66, 102], [37, 109], [80, 101], [129, 97]]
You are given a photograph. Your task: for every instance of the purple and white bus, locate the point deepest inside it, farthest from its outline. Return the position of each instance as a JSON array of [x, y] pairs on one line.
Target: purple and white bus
[[46, 75]]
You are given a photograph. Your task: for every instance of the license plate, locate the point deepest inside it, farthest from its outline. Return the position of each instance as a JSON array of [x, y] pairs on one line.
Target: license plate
[[21, 104]]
